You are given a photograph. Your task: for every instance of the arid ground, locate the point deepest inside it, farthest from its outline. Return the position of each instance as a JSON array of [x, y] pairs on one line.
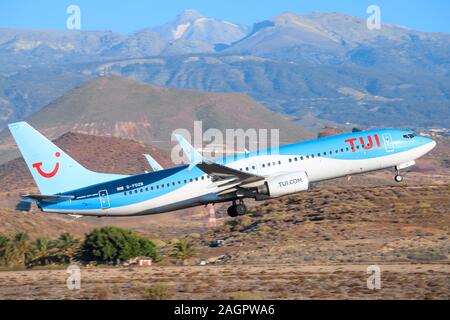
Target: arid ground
[[315, 244], [324, 281]]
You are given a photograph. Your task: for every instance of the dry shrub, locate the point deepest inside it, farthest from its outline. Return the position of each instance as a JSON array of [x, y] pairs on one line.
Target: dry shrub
[[158, 292], [102, 293]]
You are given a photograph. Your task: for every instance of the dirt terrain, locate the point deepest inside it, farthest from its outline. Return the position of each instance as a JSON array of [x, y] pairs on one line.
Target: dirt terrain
[[311, 245], [424, 281], [315, 244]]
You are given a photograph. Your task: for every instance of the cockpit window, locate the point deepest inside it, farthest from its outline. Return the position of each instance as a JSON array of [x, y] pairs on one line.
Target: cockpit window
[[409, 136]]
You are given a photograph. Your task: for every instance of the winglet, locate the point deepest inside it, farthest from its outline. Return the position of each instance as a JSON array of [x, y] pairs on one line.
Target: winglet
[[193, 155], [153, 163]]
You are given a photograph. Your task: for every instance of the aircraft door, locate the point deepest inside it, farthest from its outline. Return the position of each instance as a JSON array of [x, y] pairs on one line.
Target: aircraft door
[[104, 199], [388, 144]]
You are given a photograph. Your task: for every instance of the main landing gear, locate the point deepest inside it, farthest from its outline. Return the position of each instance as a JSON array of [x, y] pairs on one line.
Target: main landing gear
[[237, 209], [398, 177]]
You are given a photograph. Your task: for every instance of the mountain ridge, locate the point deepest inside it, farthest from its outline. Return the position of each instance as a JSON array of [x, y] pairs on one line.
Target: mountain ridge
[[325, 64]]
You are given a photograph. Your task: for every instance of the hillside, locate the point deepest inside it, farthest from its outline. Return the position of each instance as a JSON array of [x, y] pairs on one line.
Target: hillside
[[343, 224], [40, 225], [122, 107]]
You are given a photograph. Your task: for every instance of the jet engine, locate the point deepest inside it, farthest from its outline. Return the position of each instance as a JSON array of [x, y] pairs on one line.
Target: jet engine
[[285, 184]]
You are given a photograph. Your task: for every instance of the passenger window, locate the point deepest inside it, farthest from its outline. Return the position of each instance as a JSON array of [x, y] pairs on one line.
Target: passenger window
[[253, 167], [203, 178], [312, 156], [318, 154], [136, 191], [279, 162], [125, 193], [342, 150], [307, 156], [151, 188], [290, 160], [246, 168]]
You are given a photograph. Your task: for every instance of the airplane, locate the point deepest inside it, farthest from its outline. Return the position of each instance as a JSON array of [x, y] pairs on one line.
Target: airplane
[[68, 188]]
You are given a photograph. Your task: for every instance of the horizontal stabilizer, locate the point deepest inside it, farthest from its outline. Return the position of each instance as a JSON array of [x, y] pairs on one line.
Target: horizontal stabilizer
[[50, 198]]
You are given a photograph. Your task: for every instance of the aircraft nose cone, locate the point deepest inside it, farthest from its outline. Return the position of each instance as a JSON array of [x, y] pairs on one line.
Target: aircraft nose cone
[[430, 144]]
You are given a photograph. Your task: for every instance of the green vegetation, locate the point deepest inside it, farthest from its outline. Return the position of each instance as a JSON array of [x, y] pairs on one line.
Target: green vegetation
[[183, 250], [109, 244], [19, 250], [104, 245]]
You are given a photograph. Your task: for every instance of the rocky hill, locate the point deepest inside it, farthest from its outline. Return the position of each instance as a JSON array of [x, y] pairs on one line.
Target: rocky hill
[[121, 107]]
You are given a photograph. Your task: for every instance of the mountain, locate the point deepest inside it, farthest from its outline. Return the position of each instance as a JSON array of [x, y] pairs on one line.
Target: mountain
[[23, 48], [192, 26], [334, 38], [323, 66], [121, 107]]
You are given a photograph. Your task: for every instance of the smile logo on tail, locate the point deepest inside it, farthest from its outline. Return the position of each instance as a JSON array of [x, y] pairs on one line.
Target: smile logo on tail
[[50, 174]]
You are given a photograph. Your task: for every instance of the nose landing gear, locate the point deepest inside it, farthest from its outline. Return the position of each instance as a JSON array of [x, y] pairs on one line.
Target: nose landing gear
[[237, 209]]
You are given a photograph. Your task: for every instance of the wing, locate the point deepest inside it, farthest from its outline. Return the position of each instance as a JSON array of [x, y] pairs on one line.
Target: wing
[[229, 180]]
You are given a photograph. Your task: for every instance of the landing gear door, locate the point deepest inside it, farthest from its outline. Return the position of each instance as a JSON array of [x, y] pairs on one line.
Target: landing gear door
[[388, 144], [104, 199]]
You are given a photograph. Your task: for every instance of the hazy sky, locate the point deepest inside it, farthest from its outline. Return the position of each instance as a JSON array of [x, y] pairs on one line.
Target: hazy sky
[[131, 15]]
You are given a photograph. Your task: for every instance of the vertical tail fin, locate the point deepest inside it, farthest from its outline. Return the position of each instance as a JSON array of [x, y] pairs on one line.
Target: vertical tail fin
[[53, 170]]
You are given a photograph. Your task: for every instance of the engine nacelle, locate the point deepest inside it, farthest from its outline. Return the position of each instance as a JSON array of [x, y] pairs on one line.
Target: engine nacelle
[[285, 184]]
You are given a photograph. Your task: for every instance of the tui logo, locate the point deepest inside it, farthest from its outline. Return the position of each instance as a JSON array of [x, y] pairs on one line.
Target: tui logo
[[367, 146], [50, 174]]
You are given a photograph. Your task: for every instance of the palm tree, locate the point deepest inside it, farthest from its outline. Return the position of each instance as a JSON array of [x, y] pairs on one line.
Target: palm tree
[[41, 250], [183, 249], [22, 248], [67, 245], [6, 250]]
